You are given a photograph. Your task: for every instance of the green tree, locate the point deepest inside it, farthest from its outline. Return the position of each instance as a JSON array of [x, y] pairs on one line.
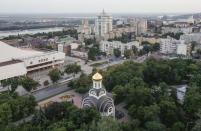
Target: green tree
[[197, 126], [5, 114], [28, 83], [12, 82], [14, 108], [90, 41], [168, 112], [93, 52], [105, 124], [178, 126], [84, 116], [119, 93], [55, 75], [135, 50], [147, 48], [72, 68], [155, 126], [145, 113], [127, 53], [156, 47], [193, 44], [196, 80], [192, 102], [117, 53], [82, 84], [139, 96]]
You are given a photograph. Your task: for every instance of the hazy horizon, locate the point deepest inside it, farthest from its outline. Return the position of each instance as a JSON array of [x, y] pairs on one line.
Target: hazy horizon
[[96, 6]]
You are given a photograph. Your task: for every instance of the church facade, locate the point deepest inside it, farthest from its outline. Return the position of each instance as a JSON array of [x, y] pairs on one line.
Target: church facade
[[99, 98]]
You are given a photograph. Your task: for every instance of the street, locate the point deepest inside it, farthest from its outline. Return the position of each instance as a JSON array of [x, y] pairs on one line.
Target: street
[[61, 87], [50, 91]]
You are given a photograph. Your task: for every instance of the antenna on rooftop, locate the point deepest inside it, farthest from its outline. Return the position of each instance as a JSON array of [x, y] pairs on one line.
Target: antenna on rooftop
[[103, 11]]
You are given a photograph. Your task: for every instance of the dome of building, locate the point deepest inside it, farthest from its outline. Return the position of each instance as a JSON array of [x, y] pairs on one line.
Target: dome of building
[[97, 77]]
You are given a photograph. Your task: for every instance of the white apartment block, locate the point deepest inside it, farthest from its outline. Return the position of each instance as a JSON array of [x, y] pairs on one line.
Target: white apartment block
[[108, 47], [169, 45], [191, 37], [103, 24]]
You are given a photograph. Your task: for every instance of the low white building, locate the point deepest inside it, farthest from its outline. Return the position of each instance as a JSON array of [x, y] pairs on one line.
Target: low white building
[[108, 47], [17, 62], [182, 49], [79, 54], [44, 60], [181, 92]]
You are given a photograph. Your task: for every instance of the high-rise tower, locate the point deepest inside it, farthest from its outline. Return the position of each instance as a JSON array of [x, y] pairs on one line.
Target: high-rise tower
[[103, 24]]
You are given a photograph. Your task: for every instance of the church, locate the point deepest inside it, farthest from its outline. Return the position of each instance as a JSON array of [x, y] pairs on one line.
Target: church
[[99, 98]]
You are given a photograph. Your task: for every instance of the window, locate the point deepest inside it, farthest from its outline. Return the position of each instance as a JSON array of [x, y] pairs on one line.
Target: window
[[110, 110]]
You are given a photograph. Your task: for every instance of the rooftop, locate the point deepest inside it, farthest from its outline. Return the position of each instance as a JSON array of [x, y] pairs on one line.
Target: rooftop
[[97, 76], [8, 53], [10, 62]]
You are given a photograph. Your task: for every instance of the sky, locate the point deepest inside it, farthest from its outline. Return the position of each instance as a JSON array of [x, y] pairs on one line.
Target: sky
[[94, 6]]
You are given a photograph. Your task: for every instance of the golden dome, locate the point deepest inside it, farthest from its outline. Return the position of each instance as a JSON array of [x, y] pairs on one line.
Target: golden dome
[[97, 77]]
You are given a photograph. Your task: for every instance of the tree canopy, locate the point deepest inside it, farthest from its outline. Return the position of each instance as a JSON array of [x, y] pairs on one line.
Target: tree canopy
[[55, 75]]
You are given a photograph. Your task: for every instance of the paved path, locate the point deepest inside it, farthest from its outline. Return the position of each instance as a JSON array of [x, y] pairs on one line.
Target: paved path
[[121, 108], [50, 91], [24, 120]]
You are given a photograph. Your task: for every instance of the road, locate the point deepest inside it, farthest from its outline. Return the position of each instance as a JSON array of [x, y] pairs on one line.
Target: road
[[140, 59], [56, 89], [86, 68], [50, 91]]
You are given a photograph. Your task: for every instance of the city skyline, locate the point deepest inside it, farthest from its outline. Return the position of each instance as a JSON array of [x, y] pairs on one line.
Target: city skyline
[[95, 6]]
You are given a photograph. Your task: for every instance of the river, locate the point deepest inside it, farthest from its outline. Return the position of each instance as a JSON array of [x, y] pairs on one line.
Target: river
[[29, 31]]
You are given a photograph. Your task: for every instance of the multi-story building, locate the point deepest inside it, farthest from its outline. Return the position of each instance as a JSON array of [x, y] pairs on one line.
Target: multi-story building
[[191, 37], [117, 32], [186, 30], [169, 45], [140, 25], [103, 24], [108, 47], [85, 28], [64, 48], [151, 40]]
